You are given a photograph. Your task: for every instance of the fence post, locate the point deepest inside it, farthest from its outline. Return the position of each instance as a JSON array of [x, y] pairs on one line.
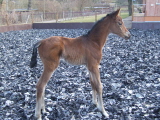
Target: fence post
[[83, 13], [42, 17], [95, 16], [7, 20], [32, 17], [27, 19], [71, 14], [56, 17], [132, 12], [63, 15]]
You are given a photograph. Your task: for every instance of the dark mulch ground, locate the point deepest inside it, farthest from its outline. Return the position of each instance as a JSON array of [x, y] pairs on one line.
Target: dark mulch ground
[[130, 73]]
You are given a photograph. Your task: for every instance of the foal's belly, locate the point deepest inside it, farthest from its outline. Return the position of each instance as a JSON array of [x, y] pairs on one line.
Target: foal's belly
[[74, 58]]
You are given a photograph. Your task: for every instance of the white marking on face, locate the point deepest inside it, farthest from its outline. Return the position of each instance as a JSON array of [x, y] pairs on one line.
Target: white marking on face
[[127, 33]]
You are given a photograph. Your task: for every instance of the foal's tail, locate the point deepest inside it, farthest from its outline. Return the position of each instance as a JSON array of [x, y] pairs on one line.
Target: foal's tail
[[33, 62]]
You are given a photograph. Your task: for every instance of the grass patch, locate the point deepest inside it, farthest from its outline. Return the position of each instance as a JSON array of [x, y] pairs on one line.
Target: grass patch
[[124, 15], [91, 18]]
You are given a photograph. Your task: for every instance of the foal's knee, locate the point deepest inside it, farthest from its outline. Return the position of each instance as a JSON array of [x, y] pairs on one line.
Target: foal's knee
[[40, 90], [98, 88]]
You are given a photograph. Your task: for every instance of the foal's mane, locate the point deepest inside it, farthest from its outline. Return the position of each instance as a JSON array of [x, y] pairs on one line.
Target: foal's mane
[[99, 21], [96, 23]]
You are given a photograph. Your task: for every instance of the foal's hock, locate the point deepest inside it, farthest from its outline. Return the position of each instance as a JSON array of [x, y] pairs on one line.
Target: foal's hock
[[84, 50]]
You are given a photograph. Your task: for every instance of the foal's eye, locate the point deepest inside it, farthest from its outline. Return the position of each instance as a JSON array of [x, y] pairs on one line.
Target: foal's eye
[[119, 23]]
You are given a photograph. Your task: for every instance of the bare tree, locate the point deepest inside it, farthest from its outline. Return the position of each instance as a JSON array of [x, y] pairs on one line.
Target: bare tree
[[81, 4], [1, 1], [29, 4], [130, 7]]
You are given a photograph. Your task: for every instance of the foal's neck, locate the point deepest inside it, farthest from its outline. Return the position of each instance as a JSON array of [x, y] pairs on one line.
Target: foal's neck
[[99, 32]]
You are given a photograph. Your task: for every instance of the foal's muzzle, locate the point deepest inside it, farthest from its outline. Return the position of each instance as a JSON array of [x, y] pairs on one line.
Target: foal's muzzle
[[127, 35]]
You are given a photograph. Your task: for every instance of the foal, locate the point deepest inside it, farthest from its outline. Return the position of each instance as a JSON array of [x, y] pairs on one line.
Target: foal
[[83, 50]]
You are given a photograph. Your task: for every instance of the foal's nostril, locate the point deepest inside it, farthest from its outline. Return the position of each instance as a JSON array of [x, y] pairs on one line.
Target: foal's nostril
[[127, 37]]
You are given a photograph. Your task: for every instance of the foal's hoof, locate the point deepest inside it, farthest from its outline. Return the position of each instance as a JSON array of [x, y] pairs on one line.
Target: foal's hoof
[[38, 117], [103, 111], [105, 114], [95, 103], [43, 110]]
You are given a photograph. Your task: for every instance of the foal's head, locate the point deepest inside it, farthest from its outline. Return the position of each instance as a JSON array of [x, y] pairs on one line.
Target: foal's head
[[117, 26]]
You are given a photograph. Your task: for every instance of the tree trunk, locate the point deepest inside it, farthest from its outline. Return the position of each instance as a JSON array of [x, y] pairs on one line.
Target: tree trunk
[[29, 4], [130, 7]]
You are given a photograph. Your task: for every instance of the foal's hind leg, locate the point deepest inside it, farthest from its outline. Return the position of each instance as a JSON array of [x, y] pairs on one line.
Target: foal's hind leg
[[97, 87], [49, 67]]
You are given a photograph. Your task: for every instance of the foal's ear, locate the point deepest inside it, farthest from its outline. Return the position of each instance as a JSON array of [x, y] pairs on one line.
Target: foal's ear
[[115, 13]]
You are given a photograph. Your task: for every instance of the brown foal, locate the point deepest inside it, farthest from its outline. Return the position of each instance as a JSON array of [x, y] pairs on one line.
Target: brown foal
[[83, 50]]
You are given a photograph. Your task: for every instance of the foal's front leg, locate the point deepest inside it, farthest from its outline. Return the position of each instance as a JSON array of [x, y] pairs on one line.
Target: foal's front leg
[[97, 88], [94, 93]]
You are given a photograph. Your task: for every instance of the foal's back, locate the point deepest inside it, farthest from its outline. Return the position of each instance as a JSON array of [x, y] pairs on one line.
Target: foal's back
[[74, 51]]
